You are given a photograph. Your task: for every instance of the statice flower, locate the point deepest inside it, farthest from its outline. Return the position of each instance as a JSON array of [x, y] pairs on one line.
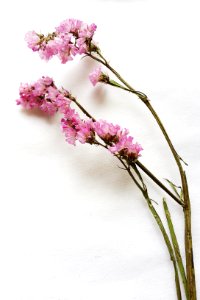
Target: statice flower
[[125, 147], [43, 95], [95, 76], [117, 139], [33, 40], [106, 131], [70, 38], [77, 129]]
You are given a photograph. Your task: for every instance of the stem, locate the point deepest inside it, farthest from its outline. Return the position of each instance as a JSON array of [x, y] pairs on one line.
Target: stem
[[176, 247], [158, 182], [153, 177], [187, 207], [143, 189], [188, 245], [164, 233], [169, 246], [131, 174], [82, 109], [103, 61]]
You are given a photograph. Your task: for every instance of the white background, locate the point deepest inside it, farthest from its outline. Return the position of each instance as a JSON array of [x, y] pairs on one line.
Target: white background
[[72, 224]]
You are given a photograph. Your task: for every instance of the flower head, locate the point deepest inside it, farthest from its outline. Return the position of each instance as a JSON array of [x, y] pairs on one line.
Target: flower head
[[44, 95], [117, 139], [76, 129], [95, 76], [106, 131], [126, 148], [70, 38], [32, 39]]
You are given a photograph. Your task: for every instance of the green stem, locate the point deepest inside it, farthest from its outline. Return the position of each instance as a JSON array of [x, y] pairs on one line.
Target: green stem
[[176, 247], [187, 206], [163, 231], [153, 177], [152, 209], [188, 245], [82, 108], [158, 182], [169, 246]]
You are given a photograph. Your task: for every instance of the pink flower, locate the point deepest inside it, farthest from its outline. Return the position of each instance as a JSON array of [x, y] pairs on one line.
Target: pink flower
[[126, 148], [85, 133], [76, 129], [70, 38], [95, 76], [44, 95], [69, 25], [107, 131], [117, 139], [32, 40]]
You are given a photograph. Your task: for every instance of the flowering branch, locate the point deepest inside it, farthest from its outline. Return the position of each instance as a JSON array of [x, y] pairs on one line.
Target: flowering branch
[[140, 165], [73, 37], [178, 159], [44, 95]]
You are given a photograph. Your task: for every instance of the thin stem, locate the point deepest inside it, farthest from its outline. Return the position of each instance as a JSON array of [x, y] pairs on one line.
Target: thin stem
[[153, 177], [188, 245], [116, 84], [108, 66], [163, 231], [176, 247], [83, 109], [143, 189], [187, 207], [169, 246], [158, 182], [130, 173]]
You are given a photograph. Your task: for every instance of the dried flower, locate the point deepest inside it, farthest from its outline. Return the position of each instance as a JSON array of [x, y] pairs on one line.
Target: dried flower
[[70, 38]]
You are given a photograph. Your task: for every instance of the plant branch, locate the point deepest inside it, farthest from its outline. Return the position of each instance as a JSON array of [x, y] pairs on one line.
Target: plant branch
[[187, 206], [176, 247], [158, 182], [163, 231], [144, 191], [153, 177]]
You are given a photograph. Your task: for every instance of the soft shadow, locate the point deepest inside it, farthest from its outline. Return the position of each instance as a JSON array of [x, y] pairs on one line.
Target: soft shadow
[[99, 94], [79, 74], [35, 113], [95, 166]]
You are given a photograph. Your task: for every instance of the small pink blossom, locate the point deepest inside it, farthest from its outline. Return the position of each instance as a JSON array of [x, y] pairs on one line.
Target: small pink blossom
[[70, 38], [44, 95], [107, 131], [85, 133], [126, 148], [32, 40], [76, 129], [95, 76], [117, 139], [69, 26]]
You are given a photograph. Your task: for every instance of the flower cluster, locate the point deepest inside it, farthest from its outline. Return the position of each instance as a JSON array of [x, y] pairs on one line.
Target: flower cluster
[[95, 76], [76, 129], [45, 96], [117, 139], [126, 148], [70, 38]]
